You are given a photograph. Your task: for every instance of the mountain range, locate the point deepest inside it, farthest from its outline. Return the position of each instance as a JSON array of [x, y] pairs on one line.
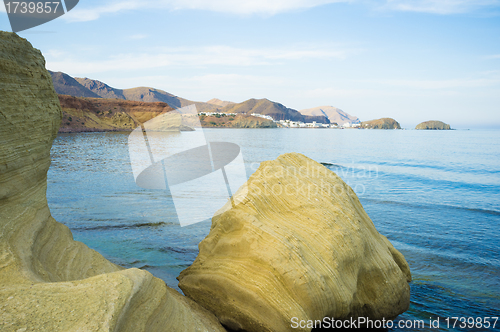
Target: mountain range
[[333, 114], [273, 109], [220, 103], [85, 87], [64, 84]]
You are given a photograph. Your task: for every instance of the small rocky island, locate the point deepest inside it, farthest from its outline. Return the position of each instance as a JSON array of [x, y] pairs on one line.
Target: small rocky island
[[433, 125], [384, 123]]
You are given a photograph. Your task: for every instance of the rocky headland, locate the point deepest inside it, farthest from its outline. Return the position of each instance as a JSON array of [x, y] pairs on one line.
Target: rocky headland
[[433, 125], [383, 123], [298, 243]]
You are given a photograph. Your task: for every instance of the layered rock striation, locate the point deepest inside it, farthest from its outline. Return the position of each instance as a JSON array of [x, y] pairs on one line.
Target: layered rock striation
[[49, 282], [299, 245]]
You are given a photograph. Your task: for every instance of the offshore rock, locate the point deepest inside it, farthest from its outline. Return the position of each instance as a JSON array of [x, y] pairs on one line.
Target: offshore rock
[[48, 281], [299, 245], [433, 125], [384, 123]]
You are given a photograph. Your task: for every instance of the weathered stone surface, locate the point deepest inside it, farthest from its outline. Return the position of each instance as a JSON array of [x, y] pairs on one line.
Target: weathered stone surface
[[48, 282], [298, 245], [384, 123], [433, 125]]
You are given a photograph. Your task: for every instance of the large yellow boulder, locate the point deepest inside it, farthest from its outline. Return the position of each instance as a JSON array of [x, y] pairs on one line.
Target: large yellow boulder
[[298, 247]]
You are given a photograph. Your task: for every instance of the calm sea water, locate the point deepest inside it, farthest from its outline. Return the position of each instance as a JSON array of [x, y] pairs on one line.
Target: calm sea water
[[434, 194]]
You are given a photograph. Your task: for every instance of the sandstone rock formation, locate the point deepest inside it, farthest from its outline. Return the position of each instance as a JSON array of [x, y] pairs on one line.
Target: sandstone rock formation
[[433, 125], [48, 282], [298, 245], [384, 123]]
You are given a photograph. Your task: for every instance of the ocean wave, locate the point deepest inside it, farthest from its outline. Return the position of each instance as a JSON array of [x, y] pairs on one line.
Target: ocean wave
[[121, 226], [433, 206]]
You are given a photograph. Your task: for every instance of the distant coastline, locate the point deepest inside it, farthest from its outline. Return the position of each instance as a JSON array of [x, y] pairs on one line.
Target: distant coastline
[[93, 106]]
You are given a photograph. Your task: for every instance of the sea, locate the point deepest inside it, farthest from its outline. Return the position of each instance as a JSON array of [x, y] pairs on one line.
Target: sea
[[434, 194]]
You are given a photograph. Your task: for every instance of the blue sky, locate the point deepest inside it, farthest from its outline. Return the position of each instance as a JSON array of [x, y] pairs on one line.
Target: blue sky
[[410, 60]]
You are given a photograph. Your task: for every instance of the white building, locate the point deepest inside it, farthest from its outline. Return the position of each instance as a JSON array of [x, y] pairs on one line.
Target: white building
[[216, 113], [262, 116]]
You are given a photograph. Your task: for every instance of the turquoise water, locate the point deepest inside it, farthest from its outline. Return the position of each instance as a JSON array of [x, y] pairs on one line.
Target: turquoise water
[[434, 194]]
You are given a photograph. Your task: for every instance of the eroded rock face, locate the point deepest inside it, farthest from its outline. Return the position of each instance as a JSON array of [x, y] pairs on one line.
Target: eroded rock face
[[99, 114], [298, 245], [48, 282], [433, 125]]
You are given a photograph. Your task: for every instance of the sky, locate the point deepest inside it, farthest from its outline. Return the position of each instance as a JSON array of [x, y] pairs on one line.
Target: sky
[[410, 60]]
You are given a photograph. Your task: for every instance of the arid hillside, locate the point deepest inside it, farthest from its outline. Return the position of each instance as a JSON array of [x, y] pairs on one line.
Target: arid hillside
[[237, 121], [275, 110], [99, 114], [85, 87]]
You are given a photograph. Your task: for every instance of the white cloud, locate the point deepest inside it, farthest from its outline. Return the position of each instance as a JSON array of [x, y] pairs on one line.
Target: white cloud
[[407, 88], [79, 14], [233, 79], [138, 36], [192, 57], [439, 84], [2, 8], [272, 7], [234, 87], [333, 92], [249, 6], [493, 56], [387, 96], [242, 7], [440, 6]]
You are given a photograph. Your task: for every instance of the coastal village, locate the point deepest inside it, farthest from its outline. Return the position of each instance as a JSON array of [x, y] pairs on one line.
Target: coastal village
[[289, 123]]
